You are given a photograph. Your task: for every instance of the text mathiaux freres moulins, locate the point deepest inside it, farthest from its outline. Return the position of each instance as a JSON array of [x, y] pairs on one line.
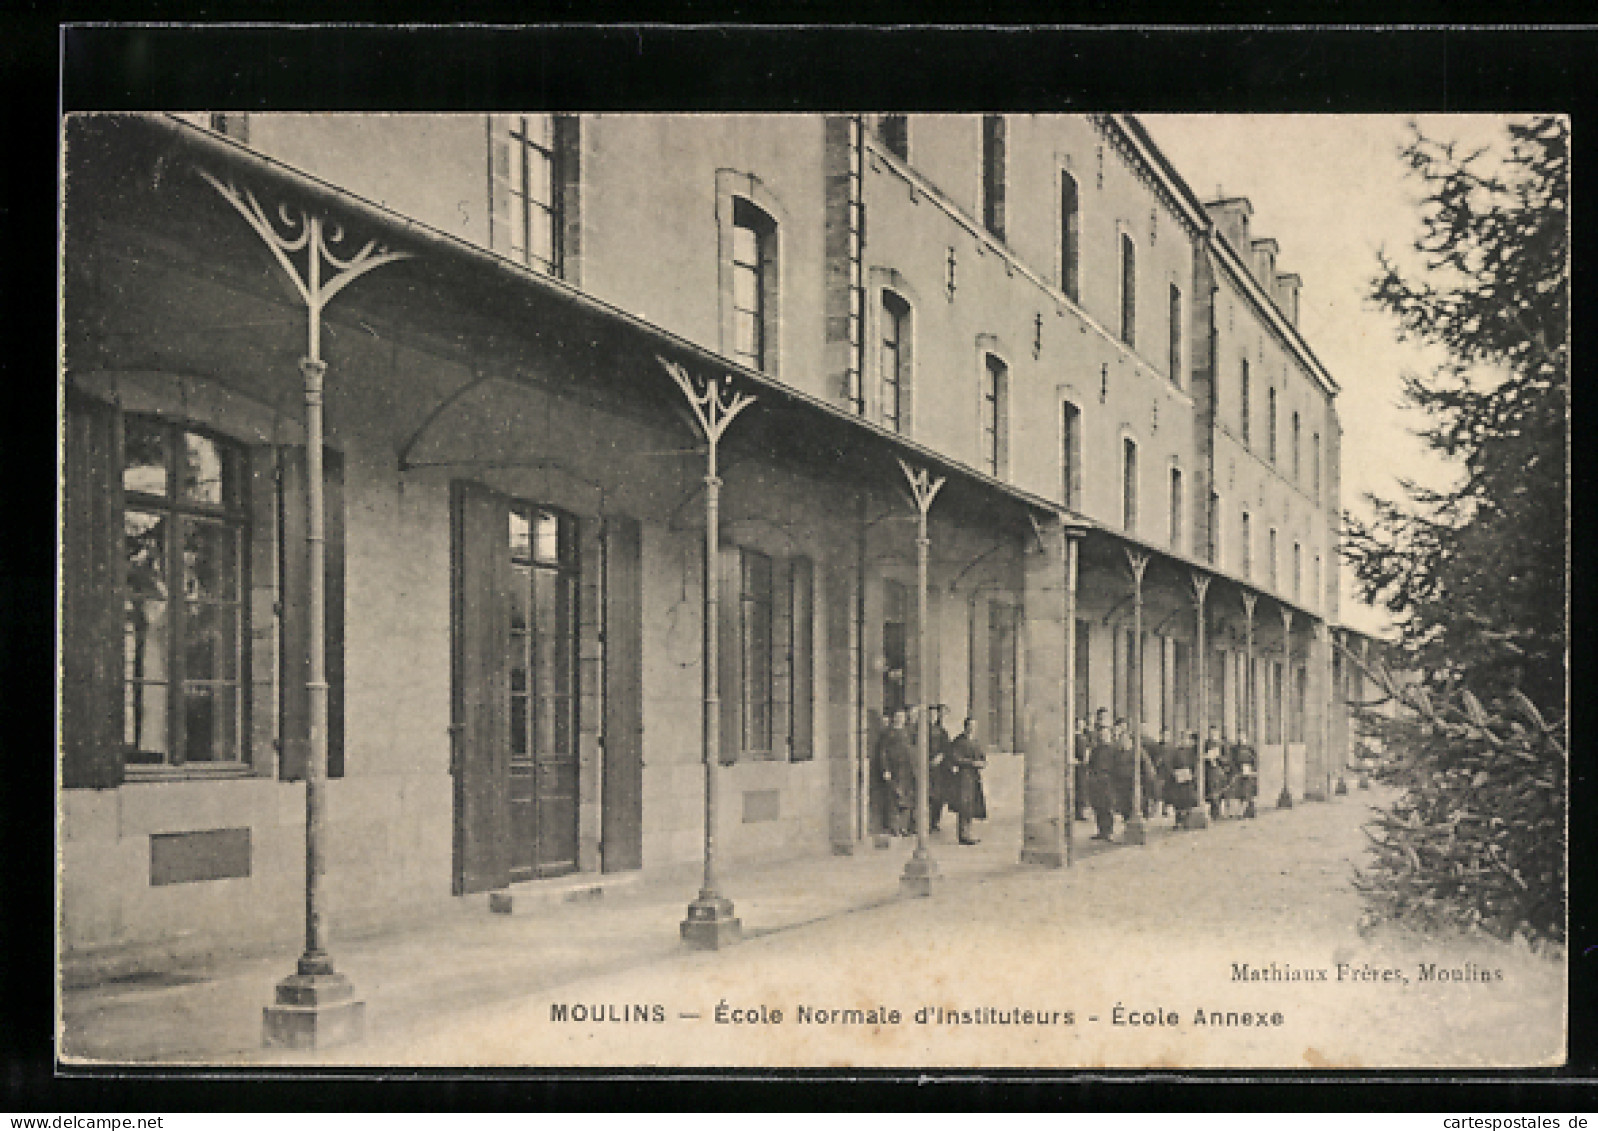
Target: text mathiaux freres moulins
[[1363, 972]]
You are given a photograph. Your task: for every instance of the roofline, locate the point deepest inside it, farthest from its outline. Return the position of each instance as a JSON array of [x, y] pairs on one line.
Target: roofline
[[1144, 143]]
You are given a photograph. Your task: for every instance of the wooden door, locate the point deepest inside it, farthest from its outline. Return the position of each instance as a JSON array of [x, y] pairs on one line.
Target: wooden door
[[622, 787], [480, 596]]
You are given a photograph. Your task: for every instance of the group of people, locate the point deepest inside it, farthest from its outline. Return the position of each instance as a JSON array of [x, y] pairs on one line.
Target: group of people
[[955, 781], [1107, 764]]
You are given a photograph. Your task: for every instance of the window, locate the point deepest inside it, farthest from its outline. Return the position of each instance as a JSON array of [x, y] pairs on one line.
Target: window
[[753, 267], [532, 185], [1128, 290], [1272, 561], [895, 360], [768, 664], [757, 638], [1247, 533], [1315, 597], [1217, 547], [543, 637], [801, 660], [1175, 361], [1243, 392], [995, 394], [894, 130], [1298, 571], [1297, 452], [1070, 236], [1002, 700], [172, 535], [185, 631], [1315, 464], [1176, 508], [993, 173], [1129, 485], [1270, 421], [1070, 455]]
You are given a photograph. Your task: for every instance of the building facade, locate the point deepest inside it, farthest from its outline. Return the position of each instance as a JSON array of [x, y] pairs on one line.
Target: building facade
[[1140, 455]]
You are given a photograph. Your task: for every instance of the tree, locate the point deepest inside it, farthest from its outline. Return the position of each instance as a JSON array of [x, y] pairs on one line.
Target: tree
[[1476, 574]]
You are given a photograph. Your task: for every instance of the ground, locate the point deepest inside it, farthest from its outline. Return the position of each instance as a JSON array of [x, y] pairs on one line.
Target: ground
[[1136, 956]]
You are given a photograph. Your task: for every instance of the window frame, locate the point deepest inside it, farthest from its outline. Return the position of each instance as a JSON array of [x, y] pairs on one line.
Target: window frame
[[1246, 535], [520, 189], [1070, 245], [1128, 329], [177, 514], [993, 405], [1130, 485], [1178, 507], [1071, 486], [1178, 339], [894, 313], [994, 173], [756, 687], [1245, 414], [1270, 423]]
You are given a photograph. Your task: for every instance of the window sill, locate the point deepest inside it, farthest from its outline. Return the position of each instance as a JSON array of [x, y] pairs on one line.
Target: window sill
[[228, 771]]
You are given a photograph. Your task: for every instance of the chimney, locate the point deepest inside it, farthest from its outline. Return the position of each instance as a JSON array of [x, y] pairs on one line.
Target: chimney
[[1287, 296], [1265, 264], [1231, 216]]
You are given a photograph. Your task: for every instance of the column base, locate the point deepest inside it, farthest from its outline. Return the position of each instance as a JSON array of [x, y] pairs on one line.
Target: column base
[[1135, 832], [1342, 787], [1284, 800], [711, 924], [1043, 857], [919, 877], [313, 1011], [1364, 782]]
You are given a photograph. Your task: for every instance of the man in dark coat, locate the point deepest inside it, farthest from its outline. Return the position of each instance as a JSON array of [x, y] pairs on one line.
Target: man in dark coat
[[1156, 786], [1183, 793], [941, 787], [1216, 771], [1246, 768], [895, 775], [1101, 780], [969, 803], [1081, 750], [1130, 759]]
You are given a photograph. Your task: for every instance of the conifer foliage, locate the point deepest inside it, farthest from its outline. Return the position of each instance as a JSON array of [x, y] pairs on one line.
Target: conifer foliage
[[1475, 575]]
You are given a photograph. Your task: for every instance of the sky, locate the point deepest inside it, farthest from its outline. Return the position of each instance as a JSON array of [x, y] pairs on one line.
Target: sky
[[1331, 190]]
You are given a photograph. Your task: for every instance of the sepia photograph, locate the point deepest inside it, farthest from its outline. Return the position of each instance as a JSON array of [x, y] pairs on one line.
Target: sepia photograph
[[823, 590]]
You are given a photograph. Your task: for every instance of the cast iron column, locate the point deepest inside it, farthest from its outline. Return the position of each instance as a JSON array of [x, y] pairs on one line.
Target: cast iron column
[[1285, 799], [1074, 533], [711, 924], [315, 1006], [920, 870], [1199, 817], [1135, 833]]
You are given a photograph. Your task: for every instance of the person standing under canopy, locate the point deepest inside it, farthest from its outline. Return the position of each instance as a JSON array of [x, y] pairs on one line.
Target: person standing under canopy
[[969, 803]]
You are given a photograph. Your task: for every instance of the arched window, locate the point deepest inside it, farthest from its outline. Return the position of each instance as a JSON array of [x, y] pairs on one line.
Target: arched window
[[1247, 534], [1070, 455], [1177, 508], [1245, 413], [895, 360], [1070, 236], [1175, 361], [1129, 485], [995, 393], [993, 173], [1270, 421], [754, 285], [1128, 290]]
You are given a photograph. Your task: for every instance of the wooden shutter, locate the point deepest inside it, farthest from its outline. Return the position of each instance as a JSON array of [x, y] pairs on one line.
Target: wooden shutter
[[294, 720], [802, 742], [729, 640], [622, 787], [91, 578], [480, 690]]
